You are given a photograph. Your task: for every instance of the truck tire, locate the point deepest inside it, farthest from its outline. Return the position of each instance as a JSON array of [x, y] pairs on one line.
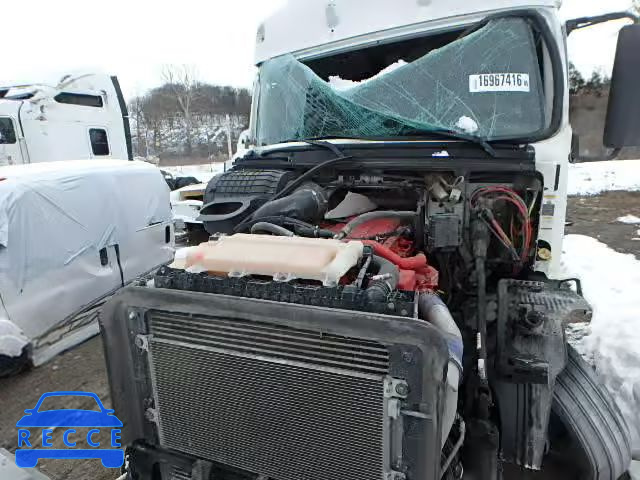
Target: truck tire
[[593, 420], [10, 366]]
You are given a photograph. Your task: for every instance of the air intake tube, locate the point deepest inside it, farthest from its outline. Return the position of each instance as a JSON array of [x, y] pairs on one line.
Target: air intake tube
[[433, 310], [384, 282]]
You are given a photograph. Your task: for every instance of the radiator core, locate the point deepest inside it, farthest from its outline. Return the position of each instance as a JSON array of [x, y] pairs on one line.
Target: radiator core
[[283, 402]]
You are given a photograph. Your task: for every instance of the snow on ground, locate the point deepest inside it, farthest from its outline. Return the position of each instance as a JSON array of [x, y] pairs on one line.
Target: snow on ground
[[202, 172], [593, 178], [612, 341], [629, 219]]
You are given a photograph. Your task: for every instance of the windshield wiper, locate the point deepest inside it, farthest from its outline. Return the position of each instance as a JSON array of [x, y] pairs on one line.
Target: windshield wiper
[[316, 141], [320, 142], [486, 146], [481, 142]]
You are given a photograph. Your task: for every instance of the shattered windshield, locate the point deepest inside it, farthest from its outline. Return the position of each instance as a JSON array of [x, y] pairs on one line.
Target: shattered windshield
[[486, 84]]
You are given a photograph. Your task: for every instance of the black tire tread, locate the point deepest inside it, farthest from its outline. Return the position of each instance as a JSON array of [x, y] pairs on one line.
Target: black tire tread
[[10, 366], [593, 419]]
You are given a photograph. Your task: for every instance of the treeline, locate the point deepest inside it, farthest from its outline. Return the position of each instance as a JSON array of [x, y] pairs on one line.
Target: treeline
[[598, 84], [187, 118]]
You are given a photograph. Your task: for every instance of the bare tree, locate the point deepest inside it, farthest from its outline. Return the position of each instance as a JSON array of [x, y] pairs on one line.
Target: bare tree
[[636, 6], [182, 80]]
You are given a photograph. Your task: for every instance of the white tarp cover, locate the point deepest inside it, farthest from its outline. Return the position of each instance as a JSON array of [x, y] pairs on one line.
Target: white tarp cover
[[55, 218]]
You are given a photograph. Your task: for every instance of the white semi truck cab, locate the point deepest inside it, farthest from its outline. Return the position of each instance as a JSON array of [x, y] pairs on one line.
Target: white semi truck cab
[[380, 296], [462, 88], [80, 118]]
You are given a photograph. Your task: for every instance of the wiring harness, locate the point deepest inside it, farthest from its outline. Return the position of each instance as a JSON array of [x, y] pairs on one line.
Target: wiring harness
[[518, 241]]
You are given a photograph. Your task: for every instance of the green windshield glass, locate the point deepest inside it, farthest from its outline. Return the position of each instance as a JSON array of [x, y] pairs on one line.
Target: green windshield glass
[[486, 84]]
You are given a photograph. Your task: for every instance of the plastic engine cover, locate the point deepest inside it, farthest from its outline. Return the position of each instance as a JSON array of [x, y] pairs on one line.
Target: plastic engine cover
[[232, 196]]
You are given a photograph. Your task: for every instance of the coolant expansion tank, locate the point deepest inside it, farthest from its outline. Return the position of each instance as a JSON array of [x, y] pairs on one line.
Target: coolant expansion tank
[[283, 258]]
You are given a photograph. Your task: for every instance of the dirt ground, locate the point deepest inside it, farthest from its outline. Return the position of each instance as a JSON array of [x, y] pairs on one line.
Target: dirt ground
[[596, 217], [83, 367], [80, 369]]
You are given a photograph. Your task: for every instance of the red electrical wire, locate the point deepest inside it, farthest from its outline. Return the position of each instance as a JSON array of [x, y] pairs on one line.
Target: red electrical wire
[[509, 195]]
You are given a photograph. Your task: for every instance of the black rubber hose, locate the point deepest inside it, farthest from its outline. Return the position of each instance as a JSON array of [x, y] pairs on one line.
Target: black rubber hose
[[482, 317], [366, 217], [313, 232], [271, 228], [307, 175], [378, 290], [308, 203], [480, 238], [277, 220], [302, 229]]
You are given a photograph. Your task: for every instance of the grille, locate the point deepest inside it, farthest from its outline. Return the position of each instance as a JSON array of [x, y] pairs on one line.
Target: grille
[[178, 473], [287, 403], [261, 338]]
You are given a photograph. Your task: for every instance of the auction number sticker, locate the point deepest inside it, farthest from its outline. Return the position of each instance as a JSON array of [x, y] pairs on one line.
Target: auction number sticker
[[499, 82]]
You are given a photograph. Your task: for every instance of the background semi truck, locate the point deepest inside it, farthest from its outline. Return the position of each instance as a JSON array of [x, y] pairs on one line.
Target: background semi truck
[[380, 295], [82, 117]]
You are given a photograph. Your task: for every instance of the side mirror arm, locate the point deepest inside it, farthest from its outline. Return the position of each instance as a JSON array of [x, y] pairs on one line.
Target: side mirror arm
[[584, 22]]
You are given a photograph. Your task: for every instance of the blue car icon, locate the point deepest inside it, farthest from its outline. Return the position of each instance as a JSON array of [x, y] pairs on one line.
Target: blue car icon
[[68, 419]]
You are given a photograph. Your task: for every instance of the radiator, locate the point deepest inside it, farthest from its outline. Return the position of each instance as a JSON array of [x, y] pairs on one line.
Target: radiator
[[284, 391], [286, 403]]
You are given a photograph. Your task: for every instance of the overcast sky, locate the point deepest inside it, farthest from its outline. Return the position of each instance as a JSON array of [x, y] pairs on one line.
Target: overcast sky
[[133, 38]]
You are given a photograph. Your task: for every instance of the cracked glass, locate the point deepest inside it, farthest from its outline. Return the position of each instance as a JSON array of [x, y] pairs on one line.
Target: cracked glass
[[486, 84]]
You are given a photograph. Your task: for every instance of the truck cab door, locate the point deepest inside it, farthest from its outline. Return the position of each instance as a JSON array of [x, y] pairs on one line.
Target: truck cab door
[[9, 147]]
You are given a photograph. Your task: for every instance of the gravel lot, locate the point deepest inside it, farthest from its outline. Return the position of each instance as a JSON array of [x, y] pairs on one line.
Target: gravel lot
[[83, 367]]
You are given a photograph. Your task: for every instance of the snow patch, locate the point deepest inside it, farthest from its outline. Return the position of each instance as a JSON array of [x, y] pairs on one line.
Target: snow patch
[[12, 341], [610, 282], [593, 178], [442, 154], [338, 83], [203, 172], [629, 219], [467, 124]]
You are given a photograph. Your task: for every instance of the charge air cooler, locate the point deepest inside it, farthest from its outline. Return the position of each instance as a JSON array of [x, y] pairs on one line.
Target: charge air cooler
[[285, 391]]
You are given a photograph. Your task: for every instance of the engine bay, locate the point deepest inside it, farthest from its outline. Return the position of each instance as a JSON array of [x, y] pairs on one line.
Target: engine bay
[[413, 267], [423, 244], [407, 233]]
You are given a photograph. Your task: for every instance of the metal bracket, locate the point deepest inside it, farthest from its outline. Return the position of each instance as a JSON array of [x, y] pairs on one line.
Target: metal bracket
[[395, 388], [142, 342], [393, 475], [583, 22], [151, 414], [393, 408]]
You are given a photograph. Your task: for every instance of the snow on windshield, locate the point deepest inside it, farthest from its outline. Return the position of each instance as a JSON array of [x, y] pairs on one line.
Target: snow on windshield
[[487, 83], [342, 83]]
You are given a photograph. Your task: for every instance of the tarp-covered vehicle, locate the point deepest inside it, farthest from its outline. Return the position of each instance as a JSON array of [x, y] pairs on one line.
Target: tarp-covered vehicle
[[71, 234]]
